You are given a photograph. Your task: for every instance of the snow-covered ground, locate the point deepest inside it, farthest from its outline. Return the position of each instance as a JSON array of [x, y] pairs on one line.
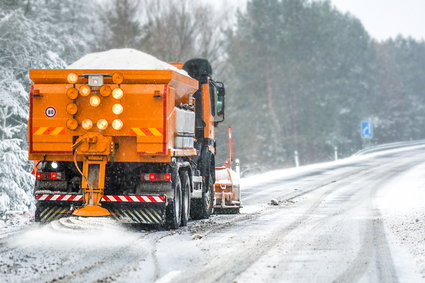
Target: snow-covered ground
[[402, 203], [359, 219]]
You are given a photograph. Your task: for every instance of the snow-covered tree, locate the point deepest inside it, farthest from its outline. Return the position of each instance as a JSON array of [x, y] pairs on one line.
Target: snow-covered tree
[[301, 68], [120, 24], [15, 171]]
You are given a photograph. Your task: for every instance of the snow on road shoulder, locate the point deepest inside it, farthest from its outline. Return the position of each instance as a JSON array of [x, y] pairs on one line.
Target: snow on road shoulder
[[122, 59], [277, 175], [274, 175], [74, 249], [403, 211]]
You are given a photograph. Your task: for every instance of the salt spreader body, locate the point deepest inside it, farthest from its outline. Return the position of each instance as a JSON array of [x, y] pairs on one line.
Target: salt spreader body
[[136, 145]]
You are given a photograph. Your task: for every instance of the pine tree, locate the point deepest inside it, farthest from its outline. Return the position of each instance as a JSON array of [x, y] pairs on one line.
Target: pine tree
[[121, 25], [34, 34], [23, 46], [302, 72], [399, 102], [15, 171]]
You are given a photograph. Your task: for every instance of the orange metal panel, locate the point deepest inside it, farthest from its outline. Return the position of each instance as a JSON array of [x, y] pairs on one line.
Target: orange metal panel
[[183, 84], [125, 153], [150, 148], [48, 116], [142, 110], [148, 118]]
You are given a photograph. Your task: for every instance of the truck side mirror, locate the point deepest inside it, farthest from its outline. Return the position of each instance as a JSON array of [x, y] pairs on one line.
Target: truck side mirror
[[220, 104], [221, 92]]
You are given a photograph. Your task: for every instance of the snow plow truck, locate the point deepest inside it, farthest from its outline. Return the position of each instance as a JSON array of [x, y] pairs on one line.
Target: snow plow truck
[[227, 184], [135, 145]]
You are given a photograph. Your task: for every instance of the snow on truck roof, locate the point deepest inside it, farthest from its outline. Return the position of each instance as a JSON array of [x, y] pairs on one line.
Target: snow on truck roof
[[122, 59]]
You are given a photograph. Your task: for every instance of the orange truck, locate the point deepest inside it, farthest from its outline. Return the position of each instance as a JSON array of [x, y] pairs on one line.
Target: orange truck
[[136, 145], [227, 184]]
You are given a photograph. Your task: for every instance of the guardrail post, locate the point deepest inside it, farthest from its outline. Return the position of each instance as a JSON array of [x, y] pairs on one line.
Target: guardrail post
[[296, 159]]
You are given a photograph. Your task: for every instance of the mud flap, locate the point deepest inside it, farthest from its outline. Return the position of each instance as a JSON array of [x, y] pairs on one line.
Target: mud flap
[[47, 211], [125, 209], [143, 213]]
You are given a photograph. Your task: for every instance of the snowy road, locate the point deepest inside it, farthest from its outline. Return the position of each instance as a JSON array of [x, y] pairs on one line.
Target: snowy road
[[359, 219]]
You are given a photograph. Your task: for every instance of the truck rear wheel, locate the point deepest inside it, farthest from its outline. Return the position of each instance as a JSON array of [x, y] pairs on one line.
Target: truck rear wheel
[[185, 198], [37, 213], [174, 208]]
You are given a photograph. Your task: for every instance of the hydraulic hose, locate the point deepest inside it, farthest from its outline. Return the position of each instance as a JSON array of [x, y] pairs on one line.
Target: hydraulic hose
[[84, 176]]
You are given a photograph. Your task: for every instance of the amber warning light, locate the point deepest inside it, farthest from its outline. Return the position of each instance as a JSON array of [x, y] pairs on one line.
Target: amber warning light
[[102, 124], [72, 78], [117, 124]]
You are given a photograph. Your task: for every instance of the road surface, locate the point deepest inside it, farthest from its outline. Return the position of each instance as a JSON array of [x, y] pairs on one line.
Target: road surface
[[355, 220]]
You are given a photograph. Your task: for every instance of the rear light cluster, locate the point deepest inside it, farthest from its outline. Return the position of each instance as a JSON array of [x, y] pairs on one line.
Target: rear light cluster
[[50, 176], [155, 177]]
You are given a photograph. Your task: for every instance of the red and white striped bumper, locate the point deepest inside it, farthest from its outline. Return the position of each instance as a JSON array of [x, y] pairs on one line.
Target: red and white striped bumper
[[59, 197], [105, 198], [112, 198]]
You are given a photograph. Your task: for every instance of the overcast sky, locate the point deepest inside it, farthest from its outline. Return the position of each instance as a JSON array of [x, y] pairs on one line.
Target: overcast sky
[[381, 18], [388, 18]]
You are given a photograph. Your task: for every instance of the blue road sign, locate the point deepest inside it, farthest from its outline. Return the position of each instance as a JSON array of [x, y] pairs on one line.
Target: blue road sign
[[367, 130]]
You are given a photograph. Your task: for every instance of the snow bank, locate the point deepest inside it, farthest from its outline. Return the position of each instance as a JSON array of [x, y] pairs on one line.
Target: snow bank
[[276, 175], [402, 207], [124, 59]]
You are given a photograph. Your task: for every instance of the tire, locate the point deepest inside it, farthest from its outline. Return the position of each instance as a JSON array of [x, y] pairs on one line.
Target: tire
[[174, 208], [37, 213], [185, 181], [203, 208]]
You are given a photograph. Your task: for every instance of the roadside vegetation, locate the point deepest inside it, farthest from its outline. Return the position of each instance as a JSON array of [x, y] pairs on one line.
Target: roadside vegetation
[[300, 75]]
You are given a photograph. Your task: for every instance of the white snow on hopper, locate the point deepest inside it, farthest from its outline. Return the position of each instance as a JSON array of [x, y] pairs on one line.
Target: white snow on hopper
[[122, 59]]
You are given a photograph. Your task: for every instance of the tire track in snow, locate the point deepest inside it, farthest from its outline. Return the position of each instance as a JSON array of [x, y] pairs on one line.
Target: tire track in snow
[[114, 265], [294, 263], [250, 254], [70, 252], [374, 249], [228, 268], [375, 244], [219, 222]]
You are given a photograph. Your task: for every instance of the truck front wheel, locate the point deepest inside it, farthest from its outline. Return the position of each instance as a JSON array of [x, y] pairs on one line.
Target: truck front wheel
[[202, 208]]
